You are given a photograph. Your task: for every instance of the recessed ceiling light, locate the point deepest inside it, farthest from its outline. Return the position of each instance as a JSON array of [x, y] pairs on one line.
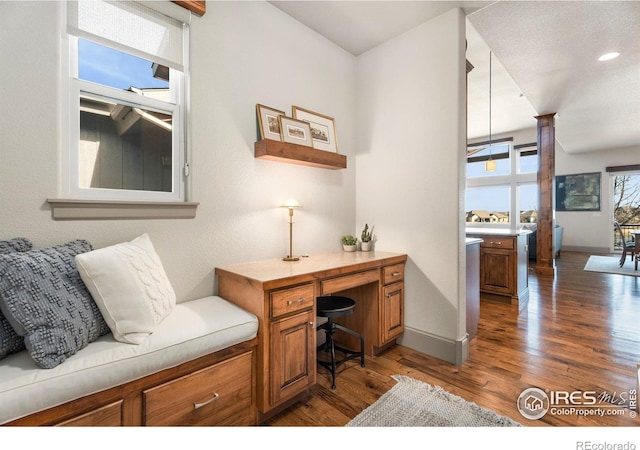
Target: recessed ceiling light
[[609, 56]]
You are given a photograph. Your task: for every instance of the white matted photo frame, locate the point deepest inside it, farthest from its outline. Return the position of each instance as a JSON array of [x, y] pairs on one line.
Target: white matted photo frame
[[323, 129], [295, 131], [268, 122]]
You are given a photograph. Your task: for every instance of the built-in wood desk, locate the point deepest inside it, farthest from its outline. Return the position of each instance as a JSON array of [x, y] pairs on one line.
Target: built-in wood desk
[[282, 295]]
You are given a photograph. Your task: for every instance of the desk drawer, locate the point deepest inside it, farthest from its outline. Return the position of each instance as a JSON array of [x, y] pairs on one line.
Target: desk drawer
[[217, 395], [391, 274], [496, 242], [349, 281], [291, 300]]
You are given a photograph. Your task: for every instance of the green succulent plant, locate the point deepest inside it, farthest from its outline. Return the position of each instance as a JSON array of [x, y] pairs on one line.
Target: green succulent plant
[[349, 240], [367, 234]]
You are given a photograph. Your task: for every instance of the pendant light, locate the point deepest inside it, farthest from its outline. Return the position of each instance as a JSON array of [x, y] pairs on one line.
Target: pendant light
[[490, 164]]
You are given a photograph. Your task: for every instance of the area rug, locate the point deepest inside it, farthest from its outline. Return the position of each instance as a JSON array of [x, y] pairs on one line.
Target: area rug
[[611, 264], [413, 403]]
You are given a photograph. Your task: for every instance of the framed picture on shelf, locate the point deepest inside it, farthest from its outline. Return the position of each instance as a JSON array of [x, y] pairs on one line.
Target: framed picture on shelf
[[323, 129], [295, 131], [268, 122]]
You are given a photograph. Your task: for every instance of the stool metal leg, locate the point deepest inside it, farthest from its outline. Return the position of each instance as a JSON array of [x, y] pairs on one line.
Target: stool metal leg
[[355, 334], [330, 346], [329, 333]]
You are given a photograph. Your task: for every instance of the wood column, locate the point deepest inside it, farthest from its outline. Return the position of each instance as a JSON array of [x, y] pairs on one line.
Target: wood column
[[546, 173]]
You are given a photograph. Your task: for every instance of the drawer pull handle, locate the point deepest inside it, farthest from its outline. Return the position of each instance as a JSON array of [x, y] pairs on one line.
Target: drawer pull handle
[[291, 302], [312, 324], [215, 397], [395, 274]]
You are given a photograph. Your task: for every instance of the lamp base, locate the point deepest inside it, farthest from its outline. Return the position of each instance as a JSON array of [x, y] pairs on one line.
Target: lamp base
[[290, 258]]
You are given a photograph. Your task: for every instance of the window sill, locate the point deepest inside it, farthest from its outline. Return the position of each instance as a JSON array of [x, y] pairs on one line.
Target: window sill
[[72, 209]]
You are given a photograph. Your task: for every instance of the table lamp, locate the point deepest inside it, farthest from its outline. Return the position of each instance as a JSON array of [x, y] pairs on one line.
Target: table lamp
[[291, 204]]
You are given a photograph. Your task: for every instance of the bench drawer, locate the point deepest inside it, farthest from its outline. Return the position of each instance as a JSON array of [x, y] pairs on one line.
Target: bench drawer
[[217, 395], [105, 416], [291, 300]]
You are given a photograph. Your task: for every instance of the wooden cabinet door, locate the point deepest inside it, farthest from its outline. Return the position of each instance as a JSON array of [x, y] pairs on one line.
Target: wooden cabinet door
[[392, 311], [496, 271], [293, 356]]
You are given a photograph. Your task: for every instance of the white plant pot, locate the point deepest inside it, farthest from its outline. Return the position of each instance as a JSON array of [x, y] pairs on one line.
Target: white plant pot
[[349, 248], [366, 246]]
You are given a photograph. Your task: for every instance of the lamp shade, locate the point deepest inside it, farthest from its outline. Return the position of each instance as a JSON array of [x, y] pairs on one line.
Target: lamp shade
[[490, 166], [291, 203]]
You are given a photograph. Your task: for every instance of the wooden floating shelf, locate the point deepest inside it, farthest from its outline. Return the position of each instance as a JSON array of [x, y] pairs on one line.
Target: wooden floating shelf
[[298, 154]]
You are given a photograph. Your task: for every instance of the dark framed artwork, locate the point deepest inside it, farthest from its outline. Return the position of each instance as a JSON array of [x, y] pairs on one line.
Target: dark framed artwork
[[579, 192]]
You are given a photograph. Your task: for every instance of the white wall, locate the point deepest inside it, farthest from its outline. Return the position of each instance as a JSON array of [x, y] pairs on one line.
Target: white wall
[[410, 169], [591, 231], [242, 53]]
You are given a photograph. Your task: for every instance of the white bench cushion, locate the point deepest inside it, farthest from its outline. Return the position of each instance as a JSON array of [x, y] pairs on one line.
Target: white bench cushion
[[193, 329]]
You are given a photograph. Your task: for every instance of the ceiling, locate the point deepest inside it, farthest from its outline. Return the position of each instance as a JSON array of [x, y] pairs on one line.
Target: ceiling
[[544, 60]]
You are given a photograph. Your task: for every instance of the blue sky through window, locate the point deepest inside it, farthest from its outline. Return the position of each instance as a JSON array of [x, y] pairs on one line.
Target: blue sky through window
[[498, 200], [113, 68], [490, 198]]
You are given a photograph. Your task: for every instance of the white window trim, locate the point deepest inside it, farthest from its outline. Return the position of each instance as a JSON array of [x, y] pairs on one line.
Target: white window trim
[[513, 180], [112, 202], [91, 90]]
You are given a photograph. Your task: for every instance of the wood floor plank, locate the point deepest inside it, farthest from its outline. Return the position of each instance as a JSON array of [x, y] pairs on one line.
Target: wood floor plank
[[579, 331]]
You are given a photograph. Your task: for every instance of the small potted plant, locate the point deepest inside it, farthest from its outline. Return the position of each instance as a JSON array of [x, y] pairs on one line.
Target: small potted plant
[[349, 243], [367, 238]]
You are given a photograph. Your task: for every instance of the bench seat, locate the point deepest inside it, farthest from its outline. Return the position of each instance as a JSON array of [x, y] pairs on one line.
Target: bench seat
[[193, 329]]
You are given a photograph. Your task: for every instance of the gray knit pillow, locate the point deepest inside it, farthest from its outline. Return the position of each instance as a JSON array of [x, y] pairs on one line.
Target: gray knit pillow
[[10, 342], [15, 245], [45, 300]]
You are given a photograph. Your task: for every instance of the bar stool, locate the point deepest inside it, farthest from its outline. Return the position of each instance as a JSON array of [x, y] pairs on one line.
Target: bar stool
[[331, 306]]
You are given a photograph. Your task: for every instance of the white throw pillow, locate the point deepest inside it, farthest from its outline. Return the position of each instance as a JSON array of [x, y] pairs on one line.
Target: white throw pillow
[[130, 287]]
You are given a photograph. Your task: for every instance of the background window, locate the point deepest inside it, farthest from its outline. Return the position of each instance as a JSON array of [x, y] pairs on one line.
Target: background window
[[477, 156], [528, 202], [508, 196], [527, 159], [489, 204]]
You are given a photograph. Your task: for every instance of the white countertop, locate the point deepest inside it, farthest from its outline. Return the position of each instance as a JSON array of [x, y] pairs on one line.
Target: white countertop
[[496, 231]]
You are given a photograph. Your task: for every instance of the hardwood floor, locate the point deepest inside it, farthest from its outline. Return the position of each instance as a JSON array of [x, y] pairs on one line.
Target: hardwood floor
[[580, 331]]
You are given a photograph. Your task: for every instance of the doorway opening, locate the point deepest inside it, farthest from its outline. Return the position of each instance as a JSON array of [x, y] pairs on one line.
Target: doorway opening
[[626, 206]]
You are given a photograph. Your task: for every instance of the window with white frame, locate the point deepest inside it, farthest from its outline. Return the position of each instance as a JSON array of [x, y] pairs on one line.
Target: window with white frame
[[507, 195], [479, 155], [527, 155], [126, 103]]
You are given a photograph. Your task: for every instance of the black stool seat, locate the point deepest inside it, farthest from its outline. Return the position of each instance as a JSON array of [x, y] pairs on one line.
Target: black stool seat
[[331, 306], [334, 306]]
